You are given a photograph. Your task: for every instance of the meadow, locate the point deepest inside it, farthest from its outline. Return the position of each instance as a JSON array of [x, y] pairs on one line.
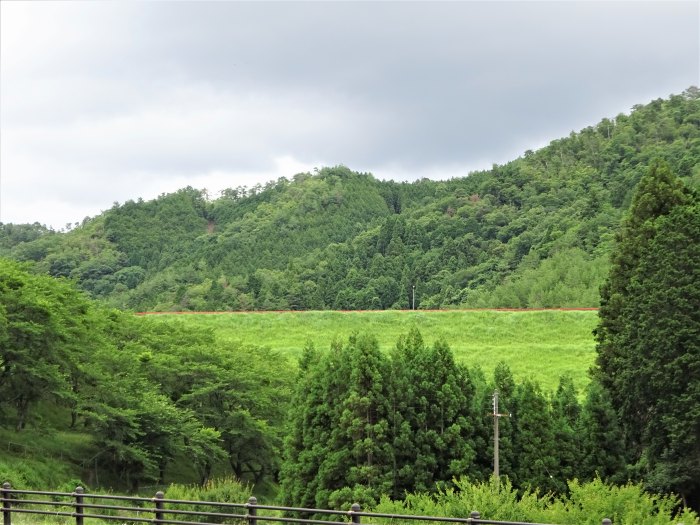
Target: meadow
[[541, 345]]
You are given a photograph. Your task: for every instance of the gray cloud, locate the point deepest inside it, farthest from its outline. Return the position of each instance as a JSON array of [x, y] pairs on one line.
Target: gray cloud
[[107, 101]]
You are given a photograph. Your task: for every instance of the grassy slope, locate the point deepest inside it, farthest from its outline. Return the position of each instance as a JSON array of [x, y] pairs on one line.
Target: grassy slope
[[47, 455], [542, 345]]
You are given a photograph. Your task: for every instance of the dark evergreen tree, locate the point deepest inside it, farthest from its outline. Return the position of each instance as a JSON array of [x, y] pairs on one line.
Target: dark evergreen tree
[[363, 425], [360, 438], [339, 451], [434, 436], [565, 416], [602, 448], [648, 338], [482, 425], [404, 409], [533, 441], [308, 436]]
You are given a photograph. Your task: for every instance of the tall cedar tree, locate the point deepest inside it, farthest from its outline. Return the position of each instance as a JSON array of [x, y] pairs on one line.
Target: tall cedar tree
[[536, 452], [648, 337], [600, 438], [565, 417], [433, 415], [364, 425]]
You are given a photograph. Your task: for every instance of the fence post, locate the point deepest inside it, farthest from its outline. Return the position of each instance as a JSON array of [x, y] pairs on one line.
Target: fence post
[[6, 515], [158, 500], [252, 510], [79, 505], [474, 515], [354, 509], [606, 521]]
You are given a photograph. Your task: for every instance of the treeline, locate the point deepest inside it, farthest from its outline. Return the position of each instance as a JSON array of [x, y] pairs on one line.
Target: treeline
[[148, 395], [356, 424], [535, 232], [367, 425]]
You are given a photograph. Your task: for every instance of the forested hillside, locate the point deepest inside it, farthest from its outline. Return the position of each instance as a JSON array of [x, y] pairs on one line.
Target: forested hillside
[[137, 395], [535, 232], [127, 400], [355, 423]]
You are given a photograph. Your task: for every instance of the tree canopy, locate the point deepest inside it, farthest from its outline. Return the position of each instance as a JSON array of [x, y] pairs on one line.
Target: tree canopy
[[648, 338], [146, 393], [534, 232]]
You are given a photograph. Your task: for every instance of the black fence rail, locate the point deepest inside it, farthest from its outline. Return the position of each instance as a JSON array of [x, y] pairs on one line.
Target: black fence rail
[[81, 508]]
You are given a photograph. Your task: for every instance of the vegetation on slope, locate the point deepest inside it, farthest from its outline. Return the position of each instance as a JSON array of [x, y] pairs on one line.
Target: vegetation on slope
[[537, 345], [649, 334], [534, 232], [144, 394], [365, 423]]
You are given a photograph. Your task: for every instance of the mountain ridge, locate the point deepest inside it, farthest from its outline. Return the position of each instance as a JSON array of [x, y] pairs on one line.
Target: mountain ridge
[[534, 232]]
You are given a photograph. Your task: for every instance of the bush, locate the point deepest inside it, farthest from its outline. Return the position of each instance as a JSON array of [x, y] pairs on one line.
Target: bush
[[587, 504], [223, 490]]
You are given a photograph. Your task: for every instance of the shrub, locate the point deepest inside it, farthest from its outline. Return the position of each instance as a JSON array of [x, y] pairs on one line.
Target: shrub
[[587, 504], [223, 490]]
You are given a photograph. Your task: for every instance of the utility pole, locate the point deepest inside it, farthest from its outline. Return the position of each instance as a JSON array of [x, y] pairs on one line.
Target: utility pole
[[496, 415], [414, 297]]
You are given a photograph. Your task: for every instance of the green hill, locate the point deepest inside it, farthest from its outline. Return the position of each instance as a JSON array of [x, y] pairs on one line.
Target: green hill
[[535, 232]]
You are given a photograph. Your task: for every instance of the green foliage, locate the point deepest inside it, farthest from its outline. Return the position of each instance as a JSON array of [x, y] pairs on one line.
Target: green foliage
[[534, 449], [43, 323], [431, 415], [217, 490], [649, 333], [586, 504], [602, 451], [365, 424], [535, 232], [395, 424], [146, 393]]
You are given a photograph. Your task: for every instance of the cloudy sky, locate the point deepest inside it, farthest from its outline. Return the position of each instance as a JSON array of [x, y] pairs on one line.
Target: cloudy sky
[[101, 102]]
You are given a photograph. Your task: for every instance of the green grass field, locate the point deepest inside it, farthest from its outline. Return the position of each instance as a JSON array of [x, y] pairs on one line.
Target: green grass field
[[541, 345]]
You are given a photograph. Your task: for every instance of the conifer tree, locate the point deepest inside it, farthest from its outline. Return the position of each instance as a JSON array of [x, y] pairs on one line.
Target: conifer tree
[[648, 337], [600, 438], [338, 451], [308, 423], [361, 435], [565, 416], [404, 360], [535, 448], [432, 418]]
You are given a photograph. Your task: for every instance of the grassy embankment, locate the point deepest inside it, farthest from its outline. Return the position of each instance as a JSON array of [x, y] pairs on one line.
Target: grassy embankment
[[540, 345]]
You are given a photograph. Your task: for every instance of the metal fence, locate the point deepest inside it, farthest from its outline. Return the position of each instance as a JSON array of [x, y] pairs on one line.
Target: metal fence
[[82, 508]]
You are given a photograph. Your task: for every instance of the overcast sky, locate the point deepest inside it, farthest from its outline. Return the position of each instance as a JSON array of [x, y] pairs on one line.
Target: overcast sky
[[101, 102]]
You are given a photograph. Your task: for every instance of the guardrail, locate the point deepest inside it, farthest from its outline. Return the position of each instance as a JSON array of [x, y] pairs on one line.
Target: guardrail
[[83, 507]]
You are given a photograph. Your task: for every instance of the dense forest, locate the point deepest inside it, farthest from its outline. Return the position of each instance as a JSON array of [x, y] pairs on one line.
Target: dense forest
[[149, 393], [535, 232], [415, 419], [615, 205], [146, 393]]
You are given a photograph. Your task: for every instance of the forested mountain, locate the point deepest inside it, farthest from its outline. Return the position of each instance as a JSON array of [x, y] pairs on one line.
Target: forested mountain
[[358, 424], [534, 232]]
